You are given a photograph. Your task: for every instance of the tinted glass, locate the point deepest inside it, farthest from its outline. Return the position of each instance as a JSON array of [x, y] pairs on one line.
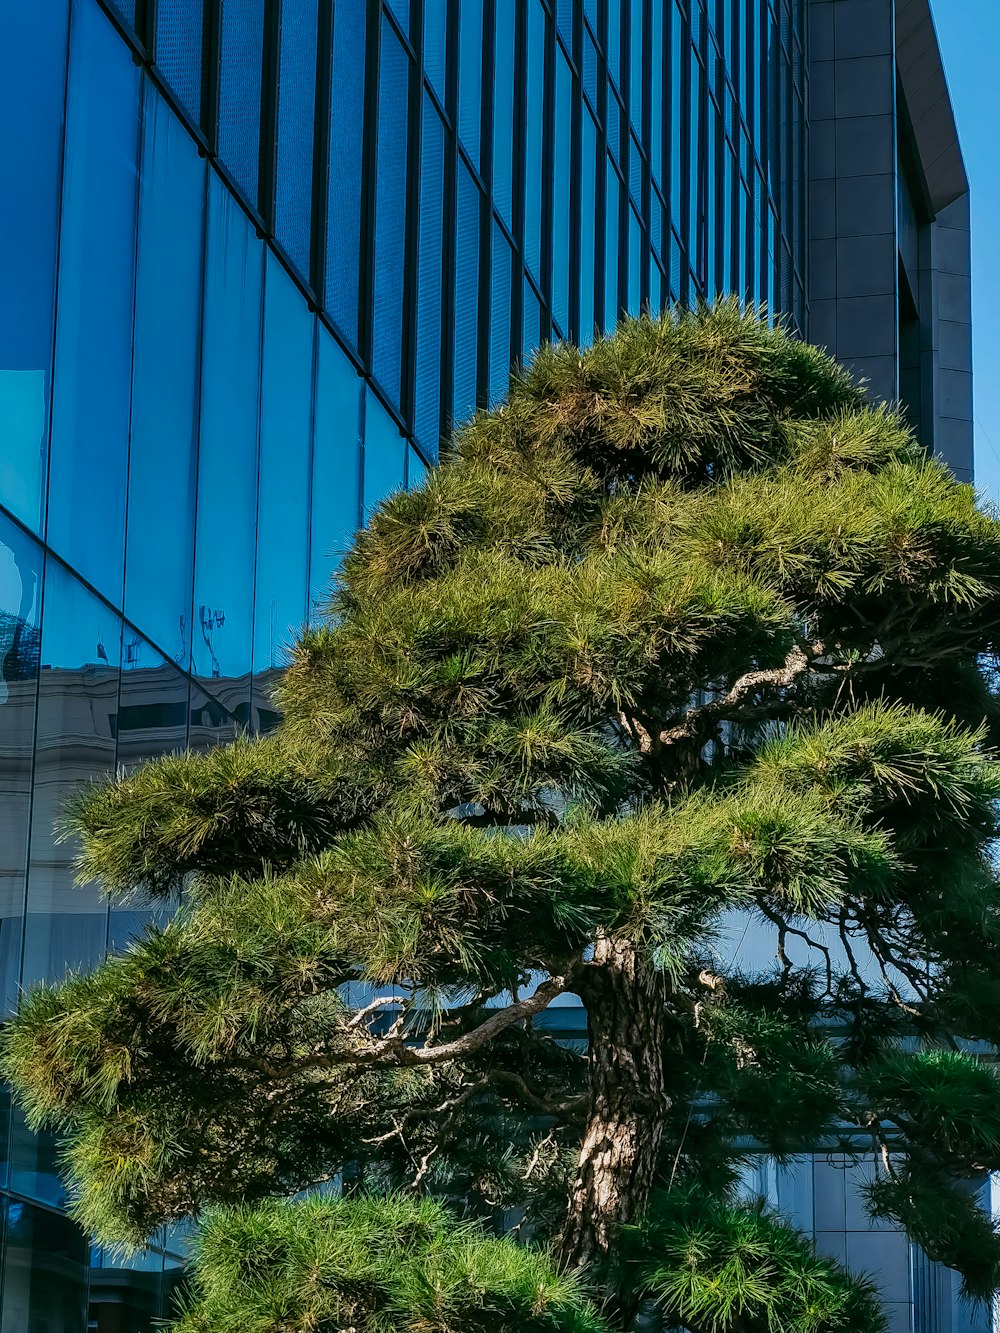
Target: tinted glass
[[240, 72], [588, 209], [336, 485], [470, 76], [427, 392], [500, 316], [347, 94], [90, 416], [436, 45], [390, 214], [77, 722], [32, 86], [384, 457], [44, 1272], [296, 117], [20, 620], [178, 50], [561, 196], [503, 111], [227, 466], [285, 447], [466, 310], [163, 454], [534, 137], [611, 256]]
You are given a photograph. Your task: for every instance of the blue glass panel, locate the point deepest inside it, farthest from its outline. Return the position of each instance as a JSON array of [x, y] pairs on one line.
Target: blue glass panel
[[470, 76], [503, 112], [20, 619], [590, 9], [466, 297], [162, 459], [32, 81], [590, 68], [90, 414], [384, 455], [427, 392], [336, 481], [240, 73], [347, 111], [66, 925], [655, 287], [416, 470], [611, 247], [614, 45], [401, 8], [532, 338], [561, 195], [285, 445], [296, 117], [588, 218], [500, 317], [436, 46], [534, 138], [45, 1271], [678, 52], [564, 21], [390, 214], [227, 464], [656, 95], [636, 105], [695, 143], [634, 263], [179, 26]]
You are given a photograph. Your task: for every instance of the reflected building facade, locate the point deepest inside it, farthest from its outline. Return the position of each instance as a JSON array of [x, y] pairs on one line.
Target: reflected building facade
[[258, 256]]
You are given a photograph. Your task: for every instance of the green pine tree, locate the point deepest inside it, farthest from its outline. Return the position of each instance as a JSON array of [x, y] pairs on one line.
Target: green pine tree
[[686, 639]]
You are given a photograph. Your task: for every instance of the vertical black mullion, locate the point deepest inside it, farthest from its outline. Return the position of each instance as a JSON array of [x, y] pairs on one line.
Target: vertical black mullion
[[210, 58], [574, 331], [518, 181], [145, 24], [414, 132], [486, 206], [267, 174], [321, 151], [369, 168], [450, 223]]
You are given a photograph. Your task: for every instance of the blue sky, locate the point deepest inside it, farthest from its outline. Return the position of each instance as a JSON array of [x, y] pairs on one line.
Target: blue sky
[[969, 32]]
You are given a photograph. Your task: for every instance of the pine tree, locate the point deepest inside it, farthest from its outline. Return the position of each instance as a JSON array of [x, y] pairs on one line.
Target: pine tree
[[685, 640]]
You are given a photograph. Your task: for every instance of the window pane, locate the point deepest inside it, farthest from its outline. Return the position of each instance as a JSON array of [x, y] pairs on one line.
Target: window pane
[[436, 46], [296, 117], [503, 112], [427, 392], [532, 323], [561, 194], [45, 1271], [227, 467], [347, 114], [240, 70], [390, 214], [588, 210], [66, 925], [534, 136], [90, 415], [336, 484], [20, 607], [611, 219], [162, 458], [178, 50], [500, 317], [285, 430], [470, 77], [32, 81], [385, 455], [466, 297]]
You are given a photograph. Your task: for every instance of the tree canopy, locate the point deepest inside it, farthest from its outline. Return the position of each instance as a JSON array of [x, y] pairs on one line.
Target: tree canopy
[[686, 639]]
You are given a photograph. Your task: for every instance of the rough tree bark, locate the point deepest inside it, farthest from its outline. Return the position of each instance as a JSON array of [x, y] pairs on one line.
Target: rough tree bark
[[627, 1017]]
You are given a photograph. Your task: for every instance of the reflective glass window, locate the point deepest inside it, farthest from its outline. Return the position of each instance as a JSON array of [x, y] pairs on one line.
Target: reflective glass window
[[416, 469], [637, 46], [588, 219], [125, 1291], [470, 76], [163, 453], [66, 925], [500, 317], [44, 1271], [401, 8], [227, 464], [384, 455], [503, 112], [240, 73], [427, 391], [179, 25], [336, 480], [656, 93], [678, 52], [534, 137], [20, 620], [285, 446], [532, 337], [634, 263], [561, 196], [614, 44], [347, 114], [436, 46], [90, 415], [390, 214], [296, 117], [32, 84], [466, 296], [695, 143], [210, 721], [611, 246]]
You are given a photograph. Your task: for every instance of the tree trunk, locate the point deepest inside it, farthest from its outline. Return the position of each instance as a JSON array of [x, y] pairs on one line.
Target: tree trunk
[[627, 1021]]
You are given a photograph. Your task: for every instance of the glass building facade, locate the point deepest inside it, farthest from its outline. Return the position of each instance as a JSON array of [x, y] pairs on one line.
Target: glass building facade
[[256, 258]]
